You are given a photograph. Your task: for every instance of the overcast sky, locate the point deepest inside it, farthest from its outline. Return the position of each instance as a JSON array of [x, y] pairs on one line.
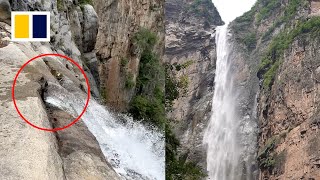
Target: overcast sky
[[230, 9]]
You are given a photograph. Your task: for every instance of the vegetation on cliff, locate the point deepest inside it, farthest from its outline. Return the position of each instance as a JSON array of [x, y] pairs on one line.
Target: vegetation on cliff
[[148, 104], [289, 12], [86, 2], [243, 25], [267, 9], [266, 35], [270, 160], [262, 11], [205, 9], [171, 87], [242, 31], [282, 42], [177, 165]]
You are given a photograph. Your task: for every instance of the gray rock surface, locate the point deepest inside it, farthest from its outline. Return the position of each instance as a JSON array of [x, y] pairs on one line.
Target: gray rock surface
[[79, 150], [5, 11], [119, 21], [190, 38], [287, 110], [28, 153], [90, 28]]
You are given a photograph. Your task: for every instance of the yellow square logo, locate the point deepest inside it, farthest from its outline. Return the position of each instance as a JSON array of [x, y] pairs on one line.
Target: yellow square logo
[[21, 26]]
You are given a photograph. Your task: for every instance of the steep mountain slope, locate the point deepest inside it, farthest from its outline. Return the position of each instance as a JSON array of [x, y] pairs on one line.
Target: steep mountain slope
[[190, 55], [118, 52], [26, 152], [278, 42], [128, 38]]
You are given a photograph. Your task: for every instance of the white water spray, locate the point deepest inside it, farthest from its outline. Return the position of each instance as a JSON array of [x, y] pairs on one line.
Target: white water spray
[[221, 136], [135, 151]]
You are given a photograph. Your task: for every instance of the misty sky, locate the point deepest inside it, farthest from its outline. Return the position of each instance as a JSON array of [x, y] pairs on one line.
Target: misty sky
[[230, 9]]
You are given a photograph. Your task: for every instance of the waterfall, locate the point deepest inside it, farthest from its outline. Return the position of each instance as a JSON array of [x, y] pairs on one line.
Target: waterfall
[[221, 134], [134, 150], [227, 129]]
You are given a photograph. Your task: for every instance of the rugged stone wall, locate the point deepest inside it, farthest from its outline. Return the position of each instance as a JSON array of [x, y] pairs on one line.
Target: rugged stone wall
[[191, 54], [119, 21], [246, 89], [288, 99], [28, 153]]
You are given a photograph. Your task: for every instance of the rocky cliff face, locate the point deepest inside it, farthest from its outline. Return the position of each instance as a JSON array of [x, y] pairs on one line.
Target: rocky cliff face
[[118, 57], [26, 152], [191, 56], [278, 43]]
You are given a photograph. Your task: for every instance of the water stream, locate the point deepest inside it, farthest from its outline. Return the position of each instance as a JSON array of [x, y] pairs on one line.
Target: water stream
[[222, 135], [135, 151]]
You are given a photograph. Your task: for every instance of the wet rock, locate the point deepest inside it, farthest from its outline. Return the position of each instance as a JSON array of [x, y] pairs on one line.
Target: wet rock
[[79, 150]]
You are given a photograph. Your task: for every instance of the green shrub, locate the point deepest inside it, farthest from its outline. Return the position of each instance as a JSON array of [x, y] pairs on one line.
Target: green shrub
[[291, 9], [289, 12], [123, 65], [171, 87], [176, 166], [266, 156], [184, 83], [103, 93], [250, 41], [149, 110], [272, 60], [129, 84], [267, 9], [246, 17], [243, 30], [202, 9], [148, 104], [270, 75], [144, 39], [268, 159], [151, 72], [60, 5], [159, 94], [187, 64], [83, 2], [184, 65], [124, 62]]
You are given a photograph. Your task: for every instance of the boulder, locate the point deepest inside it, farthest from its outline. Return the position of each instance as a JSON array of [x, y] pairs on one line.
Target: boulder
[[5, 11], [90, 28]]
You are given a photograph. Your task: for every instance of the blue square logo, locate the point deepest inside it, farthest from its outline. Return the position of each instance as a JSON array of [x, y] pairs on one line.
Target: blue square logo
[[39, 26]]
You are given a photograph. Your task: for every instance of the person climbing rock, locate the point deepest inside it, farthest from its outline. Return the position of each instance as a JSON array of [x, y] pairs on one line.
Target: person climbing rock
[[5, 12]]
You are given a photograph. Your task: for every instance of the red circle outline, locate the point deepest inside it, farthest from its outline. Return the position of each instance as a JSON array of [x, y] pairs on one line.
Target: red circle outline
[[74, 121]]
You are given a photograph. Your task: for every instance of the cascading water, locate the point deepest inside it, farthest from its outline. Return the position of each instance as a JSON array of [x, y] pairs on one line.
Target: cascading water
[[222, 134], [222, 155], [134, 151]]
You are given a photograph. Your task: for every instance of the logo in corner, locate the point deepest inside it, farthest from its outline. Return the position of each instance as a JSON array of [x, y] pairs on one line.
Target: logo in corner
[[30, 26]]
